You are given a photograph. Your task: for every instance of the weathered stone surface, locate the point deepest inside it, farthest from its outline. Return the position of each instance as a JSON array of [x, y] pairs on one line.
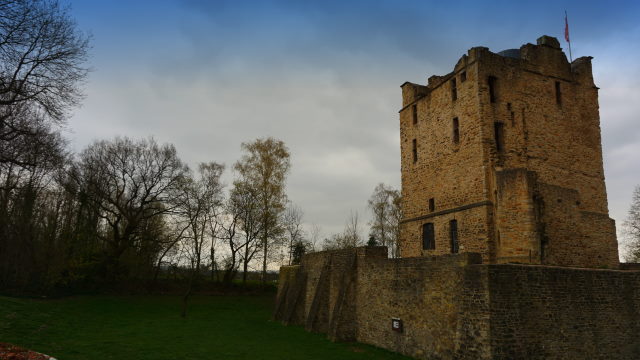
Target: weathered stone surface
[[441, 300], [537, 197], [454, 307], [543, 312]]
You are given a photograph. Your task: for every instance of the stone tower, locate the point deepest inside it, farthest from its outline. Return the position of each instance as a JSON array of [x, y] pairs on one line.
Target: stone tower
[[503, 157]]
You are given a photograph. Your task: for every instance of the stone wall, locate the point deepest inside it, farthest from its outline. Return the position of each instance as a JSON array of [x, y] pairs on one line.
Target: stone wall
[[353, 295], [540, 312], [454, 307], [441, 301]]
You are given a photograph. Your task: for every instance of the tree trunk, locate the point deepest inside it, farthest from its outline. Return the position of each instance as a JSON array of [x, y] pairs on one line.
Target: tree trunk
[[185, 298], [264, 261], [229, 272], [195, 273], [213, 261], [244, 272]]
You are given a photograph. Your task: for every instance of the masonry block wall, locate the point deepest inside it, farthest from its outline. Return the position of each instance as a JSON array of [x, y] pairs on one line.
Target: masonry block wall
[[507, 145], [454, 307], [542, 312], [353, 295]]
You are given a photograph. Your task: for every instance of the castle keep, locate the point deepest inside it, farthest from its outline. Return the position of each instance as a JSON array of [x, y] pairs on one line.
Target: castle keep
[[508, 251], [503, 157]]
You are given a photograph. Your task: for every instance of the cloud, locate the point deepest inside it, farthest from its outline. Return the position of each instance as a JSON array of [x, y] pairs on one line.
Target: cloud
[[324, 77]]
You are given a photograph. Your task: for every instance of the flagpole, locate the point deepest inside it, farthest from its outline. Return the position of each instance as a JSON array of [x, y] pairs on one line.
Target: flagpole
[[566, 34]]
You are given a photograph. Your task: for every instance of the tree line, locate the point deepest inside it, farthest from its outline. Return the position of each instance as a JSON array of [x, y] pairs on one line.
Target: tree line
[[123, 208], [386, 213], [127, 209], [631, 229], [120, 207]]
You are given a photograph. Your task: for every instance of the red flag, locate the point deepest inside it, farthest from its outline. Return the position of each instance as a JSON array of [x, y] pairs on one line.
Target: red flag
[[566, 28]]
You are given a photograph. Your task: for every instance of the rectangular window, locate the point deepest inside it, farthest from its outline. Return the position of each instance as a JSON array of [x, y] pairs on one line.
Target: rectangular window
[[456, 131], [432, 205], [492, 88], [454, 90], [463, 76], [428, 237], [414, 110], [415, 150], [558, 94], [498, 129], [453, 232]]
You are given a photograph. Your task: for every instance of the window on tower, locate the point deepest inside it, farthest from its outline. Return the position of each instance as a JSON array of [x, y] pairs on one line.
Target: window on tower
[[492, 88], [454, 90], [456, 131], [414, 111], [558, 94], [415, 151], [428, 237], [498, 130]]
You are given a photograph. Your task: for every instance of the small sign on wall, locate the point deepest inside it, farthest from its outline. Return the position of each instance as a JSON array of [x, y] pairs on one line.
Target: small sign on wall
[[396, 325]]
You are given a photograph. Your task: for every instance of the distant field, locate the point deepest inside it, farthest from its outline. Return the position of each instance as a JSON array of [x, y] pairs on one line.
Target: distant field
[[150, 327]]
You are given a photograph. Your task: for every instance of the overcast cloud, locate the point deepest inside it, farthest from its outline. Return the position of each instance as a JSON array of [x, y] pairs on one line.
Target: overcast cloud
[[324, 77]]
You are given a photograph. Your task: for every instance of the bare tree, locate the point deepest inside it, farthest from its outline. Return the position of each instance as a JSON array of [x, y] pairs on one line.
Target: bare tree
[[631, 228], [351, 233], [295, 233], [264, 167], [29, 208], [314, 237], [167, 242], [199, 200], [129, 182], [246, 203], [349, 238], [214, 233], [42, 56], [22, 134], [385, 207], [230, 234]]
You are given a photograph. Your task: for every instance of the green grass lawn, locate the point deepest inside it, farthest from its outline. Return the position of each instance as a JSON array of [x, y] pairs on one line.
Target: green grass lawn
[[150, 327]]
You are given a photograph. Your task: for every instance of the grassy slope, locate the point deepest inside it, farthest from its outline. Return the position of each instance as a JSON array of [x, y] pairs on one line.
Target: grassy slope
[[101, 327]]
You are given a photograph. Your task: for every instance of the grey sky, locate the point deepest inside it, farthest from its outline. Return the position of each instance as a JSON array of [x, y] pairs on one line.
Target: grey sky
[[324, 77]]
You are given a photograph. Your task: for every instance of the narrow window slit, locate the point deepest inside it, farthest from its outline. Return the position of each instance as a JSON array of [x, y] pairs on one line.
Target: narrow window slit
[[558, 94], [498, 129], [453, 231], [415, 150], [454, 90], [414, 109], [492, 88], [456, 131]]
